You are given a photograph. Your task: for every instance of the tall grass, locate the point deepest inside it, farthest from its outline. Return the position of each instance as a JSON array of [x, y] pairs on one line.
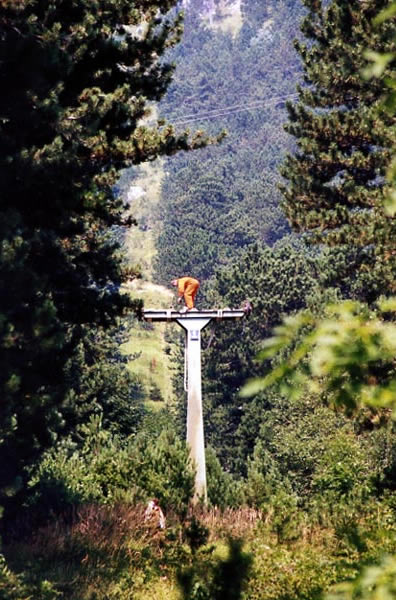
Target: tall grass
[[110, 553]]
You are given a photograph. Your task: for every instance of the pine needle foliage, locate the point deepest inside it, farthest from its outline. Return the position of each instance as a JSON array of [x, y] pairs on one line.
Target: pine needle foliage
[[335, 180], [77, 79]]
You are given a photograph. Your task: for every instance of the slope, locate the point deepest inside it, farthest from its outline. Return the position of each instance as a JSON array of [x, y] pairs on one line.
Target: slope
[[147, 345]]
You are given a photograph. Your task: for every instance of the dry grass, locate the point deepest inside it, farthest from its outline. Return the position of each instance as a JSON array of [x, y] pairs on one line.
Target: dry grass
[[238, 523], [109, 553], [105, 528], [98, 552], [112, 529]]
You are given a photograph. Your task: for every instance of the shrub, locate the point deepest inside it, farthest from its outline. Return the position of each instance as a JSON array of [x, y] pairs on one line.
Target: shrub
[[106, 471], [223, 490]]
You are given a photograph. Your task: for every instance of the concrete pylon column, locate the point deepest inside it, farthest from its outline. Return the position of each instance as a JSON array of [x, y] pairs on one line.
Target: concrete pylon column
[[193, 322], [195, 428]]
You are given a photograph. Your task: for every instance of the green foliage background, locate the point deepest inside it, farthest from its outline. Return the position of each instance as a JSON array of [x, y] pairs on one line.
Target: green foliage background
[[302, 461]]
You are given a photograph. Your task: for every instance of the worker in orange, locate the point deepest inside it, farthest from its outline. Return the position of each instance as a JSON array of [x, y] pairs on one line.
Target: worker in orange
[[187, 288]]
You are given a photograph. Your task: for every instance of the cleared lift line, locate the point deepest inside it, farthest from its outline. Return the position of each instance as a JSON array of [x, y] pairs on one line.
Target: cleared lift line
[[229, 110]]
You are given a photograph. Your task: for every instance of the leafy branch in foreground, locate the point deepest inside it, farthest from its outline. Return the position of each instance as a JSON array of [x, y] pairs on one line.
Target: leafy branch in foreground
[[375, 582], [349, 355]]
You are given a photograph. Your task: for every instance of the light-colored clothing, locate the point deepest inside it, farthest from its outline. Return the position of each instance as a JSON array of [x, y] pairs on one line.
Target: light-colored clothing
[[188, 287], [154, 515]]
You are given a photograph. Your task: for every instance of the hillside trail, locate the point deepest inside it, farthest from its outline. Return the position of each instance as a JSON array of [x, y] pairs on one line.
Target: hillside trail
[[153, 363]]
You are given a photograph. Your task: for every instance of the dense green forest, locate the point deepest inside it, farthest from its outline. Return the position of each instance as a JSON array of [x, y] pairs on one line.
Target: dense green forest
[[267, 127], [226, 198]]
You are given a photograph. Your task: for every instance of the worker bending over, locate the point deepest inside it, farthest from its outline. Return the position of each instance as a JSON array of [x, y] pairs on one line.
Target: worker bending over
[[187, 288]]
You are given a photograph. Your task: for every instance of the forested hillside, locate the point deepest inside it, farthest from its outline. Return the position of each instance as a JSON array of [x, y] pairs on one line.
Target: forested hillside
[[266, 131], [227, 198]]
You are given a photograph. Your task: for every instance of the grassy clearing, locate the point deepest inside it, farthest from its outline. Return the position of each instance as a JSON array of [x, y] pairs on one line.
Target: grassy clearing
[[110, 553], [140, 240], [153, 363], [141, 251], [152, 366]]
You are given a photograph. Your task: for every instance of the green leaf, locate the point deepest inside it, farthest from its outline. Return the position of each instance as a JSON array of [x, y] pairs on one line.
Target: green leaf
[[390, 203], [379, 63], [388, 304], [387, 13], [253, 387]]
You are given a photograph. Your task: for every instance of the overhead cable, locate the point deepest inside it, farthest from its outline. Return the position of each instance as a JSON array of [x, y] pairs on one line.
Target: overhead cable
[[229, 110], [232, 106]]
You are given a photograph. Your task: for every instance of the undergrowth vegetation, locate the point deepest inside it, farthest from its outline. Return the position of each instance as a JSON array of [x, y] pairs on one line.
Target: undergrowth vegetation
[[110, 552]]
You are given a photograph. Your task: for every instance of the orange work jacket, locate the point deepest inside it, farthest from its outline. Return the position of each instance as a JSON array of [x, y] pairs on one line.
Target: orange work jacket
[[184, 282]]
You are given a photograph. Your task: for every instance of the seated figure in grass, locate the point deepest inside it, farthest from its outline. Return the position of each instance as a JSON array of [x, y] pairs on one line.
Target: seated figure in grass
[[153, 514]]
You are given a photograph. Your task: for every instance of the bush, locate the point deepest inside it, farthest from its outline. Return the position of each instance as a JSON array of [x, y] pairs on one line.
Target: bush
[[223, 490], [344, 469], [12, 586], [106, 471]]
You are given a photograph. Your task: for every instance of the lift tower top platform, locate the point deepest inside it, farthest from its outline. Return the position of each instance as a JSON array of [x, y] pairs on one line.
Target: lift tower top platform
[[193, 322], [193, 315]]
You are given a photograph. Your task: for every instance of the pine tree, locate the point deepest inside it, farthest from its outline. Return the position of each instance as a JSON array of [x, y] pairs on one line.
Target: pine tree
[[276, 281], [77, 78], [335, 186], [205, 226]]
